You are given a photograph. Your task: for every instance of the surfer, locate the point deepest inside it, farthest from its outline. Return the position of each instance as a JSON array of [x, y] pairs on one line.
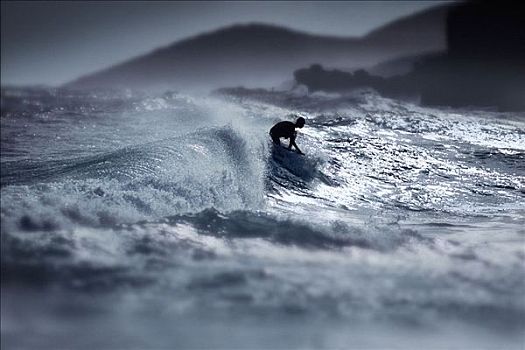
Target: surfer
[[287, 130]]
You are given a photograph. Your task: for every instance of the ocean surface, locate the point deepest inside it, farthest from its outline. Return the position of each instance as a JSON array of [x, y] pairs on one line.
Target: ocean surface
[[143, 221]]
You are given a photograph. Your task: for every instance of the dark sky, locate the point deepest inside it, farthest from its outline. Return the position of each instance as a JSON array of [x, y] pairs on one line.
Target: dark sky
[[47, 42]]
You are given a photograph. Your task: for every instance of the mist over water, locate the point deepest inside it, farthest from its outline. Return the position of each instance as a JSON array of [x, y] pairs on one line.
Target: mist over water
[[147, 221]]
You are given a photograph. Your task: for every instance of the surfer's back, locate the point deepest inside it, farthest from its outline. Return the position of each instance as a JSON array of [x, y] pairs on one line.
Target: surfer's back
[[284, 129]]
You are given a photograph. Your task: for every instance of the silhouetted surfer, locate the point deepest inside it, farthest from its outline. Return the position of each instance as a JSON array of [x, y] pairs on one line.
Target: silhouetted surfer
[[287, 130]]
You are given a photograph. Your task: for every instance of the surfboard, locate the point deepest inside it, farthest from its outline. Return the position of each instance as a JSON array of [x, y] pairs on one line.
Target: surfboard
[[281, 148]]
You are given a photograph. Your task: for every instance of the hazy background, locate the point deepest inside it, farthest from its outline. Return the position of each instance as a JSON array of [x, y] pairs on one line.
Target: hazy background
[[54, 42]]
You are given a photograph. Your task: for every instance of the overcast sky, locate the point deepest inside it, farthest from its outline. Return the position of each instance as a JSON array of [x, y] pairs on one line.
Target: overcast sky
[[47, 42]]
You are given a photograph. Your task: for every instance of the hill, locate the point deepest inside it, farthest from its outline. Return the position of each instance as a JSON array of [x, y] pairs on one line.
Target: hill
[[264, 55]]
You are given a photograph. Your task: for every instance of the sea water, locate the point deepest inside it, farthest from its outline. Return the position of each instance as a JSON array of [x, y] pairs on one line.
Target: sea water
[[133, 220]]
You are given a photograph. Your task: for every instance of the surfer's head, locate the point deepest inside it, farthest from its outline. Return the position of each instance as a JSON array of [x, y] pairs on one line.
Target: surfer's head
[[299, 123]]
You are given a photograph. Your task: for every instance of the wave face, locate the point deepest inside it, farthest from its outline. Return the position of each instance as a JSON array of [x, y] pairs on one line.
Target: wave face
[[155, 220]]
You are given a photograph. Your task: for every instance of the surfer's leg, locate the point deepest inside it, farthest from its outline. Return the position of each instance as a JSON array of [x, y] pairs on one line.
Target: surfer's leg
[[292, 142]]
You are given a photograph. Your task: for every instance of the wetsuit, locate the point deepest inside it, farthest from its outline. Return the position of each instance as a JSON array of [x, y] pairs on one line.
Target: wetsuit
[[283, 129], [286, 130]]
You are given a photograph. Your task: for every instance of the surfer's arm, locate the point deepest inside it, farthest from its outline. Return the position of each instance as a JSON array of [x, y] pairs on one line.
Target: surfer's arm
[[292, 143]]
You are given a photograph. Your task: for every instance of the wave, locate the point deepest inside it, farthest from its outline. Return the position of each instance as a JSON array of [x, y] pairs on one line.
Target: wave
[[211, 167], [372, 153], [297, 232], [51, 255], [284, 163], [362, 162]]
